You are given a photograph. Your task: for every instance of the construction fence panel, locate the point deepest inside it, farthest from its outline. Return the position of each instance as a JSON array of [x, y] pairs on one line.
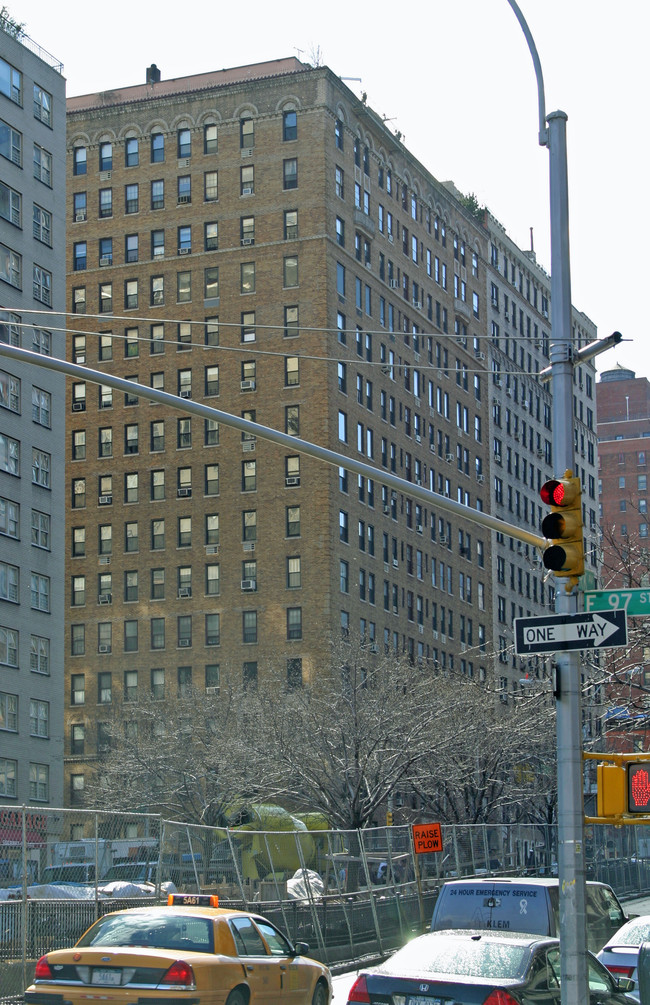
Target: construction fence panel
[[349, 894]]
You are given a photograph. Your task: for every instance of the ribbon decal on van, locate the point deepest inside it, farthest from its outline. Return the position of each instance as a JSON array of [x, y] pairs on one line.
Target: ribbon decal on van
[[523, 905]]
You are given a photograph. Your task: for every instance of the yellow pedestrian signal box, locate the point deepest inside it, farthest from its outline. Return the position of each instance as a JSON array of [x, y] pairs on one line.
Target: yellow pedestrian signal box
[[611, 795]]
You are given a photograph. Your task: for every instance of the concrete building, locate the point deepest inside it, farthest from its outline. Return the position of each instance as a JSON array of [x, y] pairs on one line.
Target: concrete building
[[520, 440], [260, 239], [32, 407]]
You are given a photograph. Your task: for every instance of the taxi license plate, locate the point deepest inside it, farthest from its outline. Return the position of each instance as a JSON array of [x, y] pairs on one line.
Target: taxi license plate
[[110, 978]]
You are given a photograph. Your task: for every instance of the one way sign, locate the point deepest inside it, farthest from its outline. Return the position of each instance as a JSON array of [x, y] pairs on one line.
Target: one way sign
[[594, 630]]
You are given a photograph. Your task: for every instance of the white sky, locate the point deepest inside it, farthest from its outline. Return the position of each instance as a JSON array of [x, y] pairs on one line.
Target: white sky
[[457, 78]]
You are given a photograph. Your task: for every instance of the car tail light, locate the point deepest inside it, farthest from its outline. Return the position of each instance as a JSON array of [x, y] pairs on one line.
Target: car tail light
[[359, 991], [43, 971], [618, 970], [180, 975], [500, 997]]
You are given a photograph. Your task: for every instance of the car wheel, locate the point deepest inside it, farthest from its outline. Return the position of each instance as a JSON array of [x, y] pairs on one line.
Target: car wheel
[[320, 995], [237, 997]]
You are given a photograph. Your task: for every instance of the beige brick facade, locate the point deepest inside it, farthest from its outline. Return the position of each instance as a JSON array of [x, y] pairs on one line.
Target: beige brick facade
[[400, 375]]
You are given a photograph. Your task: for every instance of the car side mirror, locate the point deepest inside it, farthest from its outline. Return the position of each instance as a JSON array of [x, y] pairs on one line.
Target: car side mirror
[[625, 984], [302, 948]]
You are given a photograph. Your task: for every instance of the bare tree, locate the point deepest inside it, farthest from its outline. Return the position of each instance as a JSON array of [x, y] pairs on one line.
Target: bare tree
[[343, 742], [191, 759]]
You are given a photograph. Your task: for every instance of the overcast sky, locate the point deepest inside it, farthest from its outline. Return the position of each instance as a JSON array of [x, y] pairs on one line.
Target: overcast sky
[[456, 78]]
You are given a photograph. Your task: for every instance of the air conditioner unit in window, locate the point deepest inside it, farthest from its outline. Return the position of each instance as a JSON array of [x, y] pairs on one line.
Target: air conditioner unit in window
[[104, 175], [418, 438], [249, 584], [386, 510], [183, 493], [248, 445], [373, 647], [421, 629], [247, 151], [449, 458], [417, 304], [249, 546], [386, 567], [480, 355], [247, 190], [185, 591], [184, 251], [419, 528], [435, 634], [246, 241], [292, 480], [104, 560], [104, 598], [393, 283], [212, 689], [212, 549], [185, 393], [480, 479], [183, 643], [247, 385], [442, 539], [78, 406], [80, 217], [183, 199], [105, 500], [395, 563], [497, 458], [390, 238], [184, 162], [104, 649], [106, 260]]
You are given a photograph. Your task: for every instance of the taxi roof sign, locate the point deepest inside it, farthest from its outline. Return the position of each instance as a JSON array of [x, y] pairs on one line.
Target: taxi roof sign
[[192, 900]]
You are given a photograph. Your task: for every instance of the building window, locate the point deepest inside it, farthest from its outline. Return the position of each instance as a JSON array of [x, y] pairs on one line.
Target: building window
[[247, 180], [8, 713], [105, 156], [210, 139], [157, 148], [184, 189], [290, 224], [294, 577], [289, 126], [42, 165], [212, 629], [290, 173], [157, 633], [184, 143], [8, 647], [249, 627], [41, 225], [290, 271], [211, 186], [40, 592], [79, 161], [39, 782], [131, 199], [212, 479], [158, 194], [131, 152], [41, 463], [39, 718], [8, 772], [294, 626]]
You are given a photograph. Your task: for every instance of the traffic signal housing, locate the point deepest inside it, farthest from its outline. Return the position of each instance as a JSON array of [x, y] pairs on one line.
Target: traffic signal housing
[[389, 818], [563, 527]]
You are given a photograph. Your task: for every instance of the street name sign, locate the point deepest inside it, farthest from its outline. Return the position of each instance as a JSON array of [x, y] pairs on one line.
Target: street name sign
[[427, 838], [558, 632], [635, 603]]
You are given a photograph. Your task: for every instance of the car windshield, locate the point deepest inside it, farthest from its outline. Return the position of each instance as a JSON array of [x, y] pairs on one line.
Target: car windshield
[[464, 957], [633, 933], [159, 929], [137, 871]]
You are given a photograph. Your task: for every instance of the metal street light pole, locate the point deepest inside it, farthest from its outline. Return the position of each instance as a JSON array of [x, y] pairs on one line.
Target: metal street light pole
[[571, 867]]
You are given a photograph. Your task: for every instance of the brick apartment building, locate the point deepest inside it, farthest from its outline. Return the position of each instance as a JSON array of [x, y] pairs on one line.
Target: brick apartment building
[[623, 453], [257, 238]]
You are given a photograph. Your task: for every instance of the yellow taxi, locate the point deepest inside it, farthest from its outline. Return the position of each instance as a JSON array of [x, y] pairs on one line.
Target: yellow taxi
[[188, 952]]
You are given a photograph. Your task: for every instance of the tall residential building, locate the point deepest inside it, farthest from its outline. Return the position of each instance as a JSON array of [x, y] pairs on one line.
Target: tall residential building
[[520, 443], [258, 239], [624, 449], [32, 407]]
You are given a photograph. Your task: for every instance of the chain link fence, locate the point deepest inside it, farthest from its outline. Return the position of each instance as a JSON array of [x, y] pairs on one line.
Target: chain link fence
[[349, 894]]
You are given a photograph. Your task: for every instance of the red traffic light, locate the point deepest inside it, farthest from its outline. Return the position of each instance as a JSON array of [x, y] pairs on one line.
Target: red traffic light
[[638, 788], [552, 493]]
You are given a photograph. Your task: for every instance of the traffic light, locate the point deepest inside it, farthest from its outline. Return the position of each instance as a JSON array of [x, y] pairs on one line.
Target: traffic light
[[610, 795], [389, 818], [563, 526], [638, 787]]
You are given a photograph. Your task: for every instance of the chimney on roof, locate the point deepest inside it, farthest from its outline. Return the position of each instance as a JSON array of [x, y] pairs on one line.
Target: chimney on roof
[[153, 74]]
